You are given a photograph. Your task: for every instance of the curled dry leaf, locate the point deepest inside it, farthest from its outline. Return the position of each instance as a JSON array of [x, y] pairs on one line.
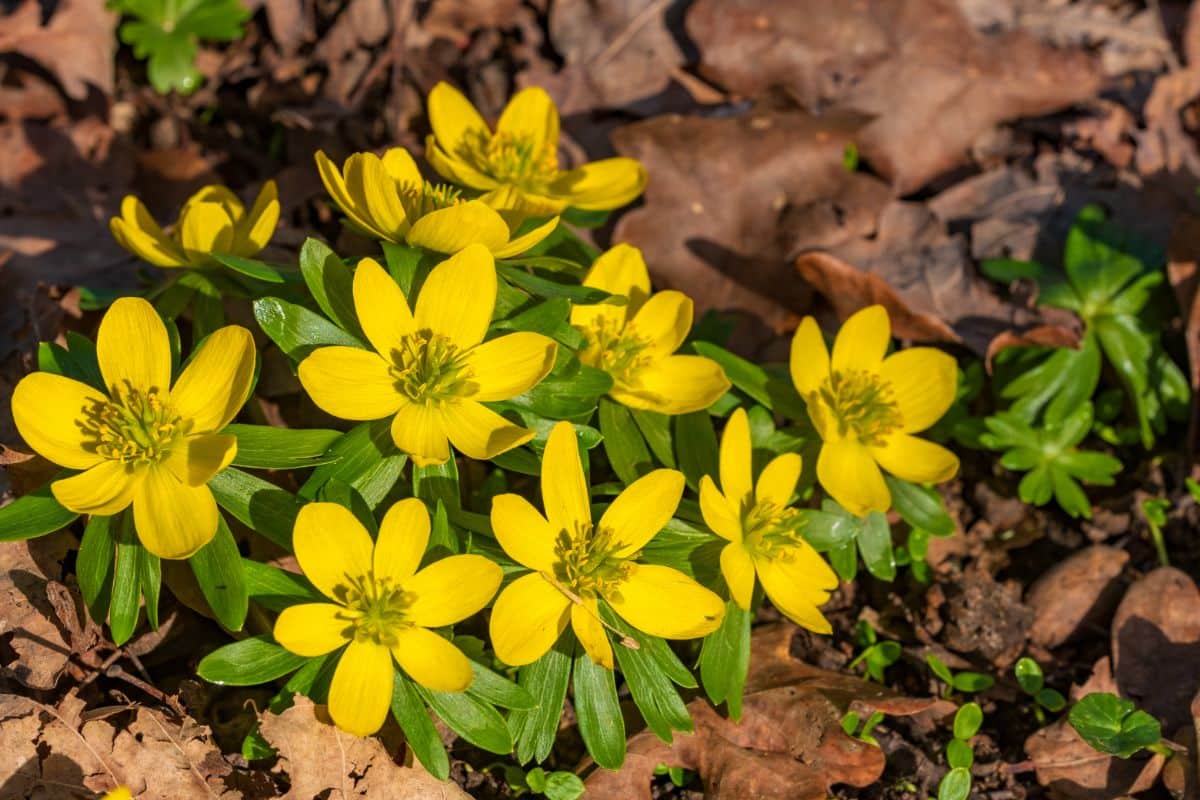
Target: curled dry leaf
[[931, 82], [789, 744], [318, 758], [1080, 590]]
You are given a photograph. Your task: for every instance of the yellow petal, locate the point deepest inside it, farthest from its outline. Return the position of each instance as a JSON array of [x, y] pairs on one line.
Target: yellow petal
[[457, 125], [451, 590], [133, 348], [47, 409], [173, 520], [809, 361], [350, 383], [778, 480], [335, 184], [450, 229], [798, 581], [361, 692], [119, 793], [137, 232], [523, 533], [601, 185], [664, 321], [402, 168], [481, 433], [527, 620], [532, 116], [459, 296], [737, 480], [675, 385], [420, 431], [564, 488], [432, 661], [664, 602], [103, 490], [313, 629], [924, 382], [862, 340], [382, 310], [369, 183], [718, 513], [219, 195], [403, 537], [196, 459], [332, 546], [460, 170], [642, 509], [216, 382], [527, 240], [916, 460], [738, 570], [850, 475], [255, 229], [204, 229], [620, 270], [509, 365], [585, 621]]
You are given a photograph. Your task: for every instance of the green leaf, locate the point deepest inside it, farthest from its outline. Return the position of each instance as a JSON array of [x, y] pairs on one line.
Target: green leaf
[[94, 565], [656, 430], [438, 483], [563, 785], [331, 284], [967, 721], [498, 690], [959, 754], [297, 330], [266, 447], [920, 506], [623, 443], [875, 545], [276, 589], [259, 270], [471, 718], [650, 684], [365, 458], [33, 515], [955, 785], [571, 393], [939, 668], [745, 375], [543, 287], [972, 682], [1051, 700], [1029, 675], [249, 662], [262, 506], [218, 570], [1113, 725], [725, 659], [150, 577], [124, 607], [696, 448], [1007, 270], [546, 681], [78, 363], [420, 734], [598, 710]]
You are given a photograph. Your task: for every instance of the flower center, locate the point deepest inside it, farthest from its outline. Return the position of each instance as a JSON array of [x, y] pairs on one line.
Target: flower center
[[861, 403], [132, 426], [428, 367], [618, 352], [586, 560], [769, 529], [516, 158], [427, 198], [376, 608]]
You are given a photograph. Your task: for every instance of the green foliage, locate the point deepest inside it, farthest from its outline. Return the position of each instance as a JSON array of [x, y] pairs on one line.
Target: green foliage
[[968, 682], [876, 656], [167, 34], [1029, 677], [851, 726], [1114, 725]]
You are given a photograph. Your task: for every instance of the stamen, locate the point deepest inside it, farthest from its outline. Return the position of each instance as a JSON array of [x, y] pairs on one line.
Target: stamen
[[771, 530], [376, 609], [861, 403], [132, 426], [586, 562], [617, 351], [428, 197], [428, 368], [512, 158]]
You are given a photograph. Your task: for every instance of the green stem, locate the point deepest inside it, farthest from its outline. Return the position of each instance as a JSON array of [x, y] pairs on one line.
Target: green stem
[[1160, 545]]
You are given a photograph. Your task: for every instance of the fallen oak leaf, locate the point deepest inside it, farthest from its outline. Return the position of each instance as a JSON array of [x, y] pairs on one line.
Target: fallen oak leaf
[[77, 44], [27, 615]]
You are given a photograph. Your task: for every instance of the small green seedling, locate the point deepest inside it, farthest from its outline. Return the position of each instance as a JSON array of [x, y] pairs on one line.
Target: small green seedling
[[968, 682], [1155, 509], [1113, 725], [956, 784], [877, 656], [678, 775], [559, 785], [1032, 682], [850, 724]]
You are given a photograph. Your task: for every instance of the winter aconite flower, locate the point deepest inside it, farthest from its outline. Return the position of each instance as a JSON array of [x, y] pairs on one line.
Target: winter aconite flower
[[213, 220], [764, 534], [382, 607], [577, 563], [142, 441], [386, 198], [635, 343], [866, 408], [522, 152], [119, 793], [430, 366]]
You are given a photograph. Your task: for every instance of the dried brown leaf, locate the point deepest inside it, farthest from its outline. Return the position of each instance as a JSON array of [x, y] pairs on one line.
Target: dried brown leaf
[[1075, 591], [76, 43], [27, 618]]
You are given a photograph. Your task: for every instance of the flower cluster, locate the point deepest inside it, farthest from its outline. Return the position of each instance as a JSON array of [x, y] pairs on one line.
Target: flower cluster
[[484, 330]]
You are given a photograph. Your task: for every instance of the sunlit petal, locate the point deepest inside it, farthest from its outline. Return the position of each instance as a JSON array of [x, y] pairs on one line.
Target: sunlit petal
[[585, 621], [527, 620], [509, 365], [48, 410], [216, 382], [601, 185], [778, 480], [446, 307], [675, 385], [196, 459], [564, 488], [737, 480], [420, 431], [350, 383], [103, 490], [381, 308], [738, 570], [923, 381], [848, 472], [663, 321], [313, 629], [642, 509], [477, 431], [862, 340], [531, 116], [133, 349], [916, 460], [361, 691], [173, 520], [451, 229], [403, 538], [809, 362], [798, 581], [718, 514], [332, 546], [432, 661], [452, 589], [664, 602], [523, 533]]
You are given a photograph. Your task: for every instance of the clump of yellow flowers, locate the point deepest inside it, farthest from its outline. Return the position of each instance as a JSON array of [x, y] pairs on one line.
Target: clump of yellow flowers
[[508, 422]]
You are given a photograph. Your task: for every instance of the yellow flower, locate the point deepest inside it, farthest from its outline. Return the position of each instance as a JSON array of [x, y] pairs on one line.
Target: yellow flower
[[522, 152], [635, 343], [430, 367], [576, 564], [119, 793], [763, 532], [386, 198], [213, 220], [866, 408], [142, 441], [382, 608]]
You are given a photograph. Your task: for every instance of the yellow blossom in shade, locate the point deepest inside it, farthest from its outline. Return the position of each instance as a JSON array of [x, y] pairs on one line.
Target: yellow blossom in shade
[[576, 563], [213, 220], [866, 408], [636, 343], [386, 198], [142, 441], [764, 532], [430, 366], [382, 608], [522, 152]]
